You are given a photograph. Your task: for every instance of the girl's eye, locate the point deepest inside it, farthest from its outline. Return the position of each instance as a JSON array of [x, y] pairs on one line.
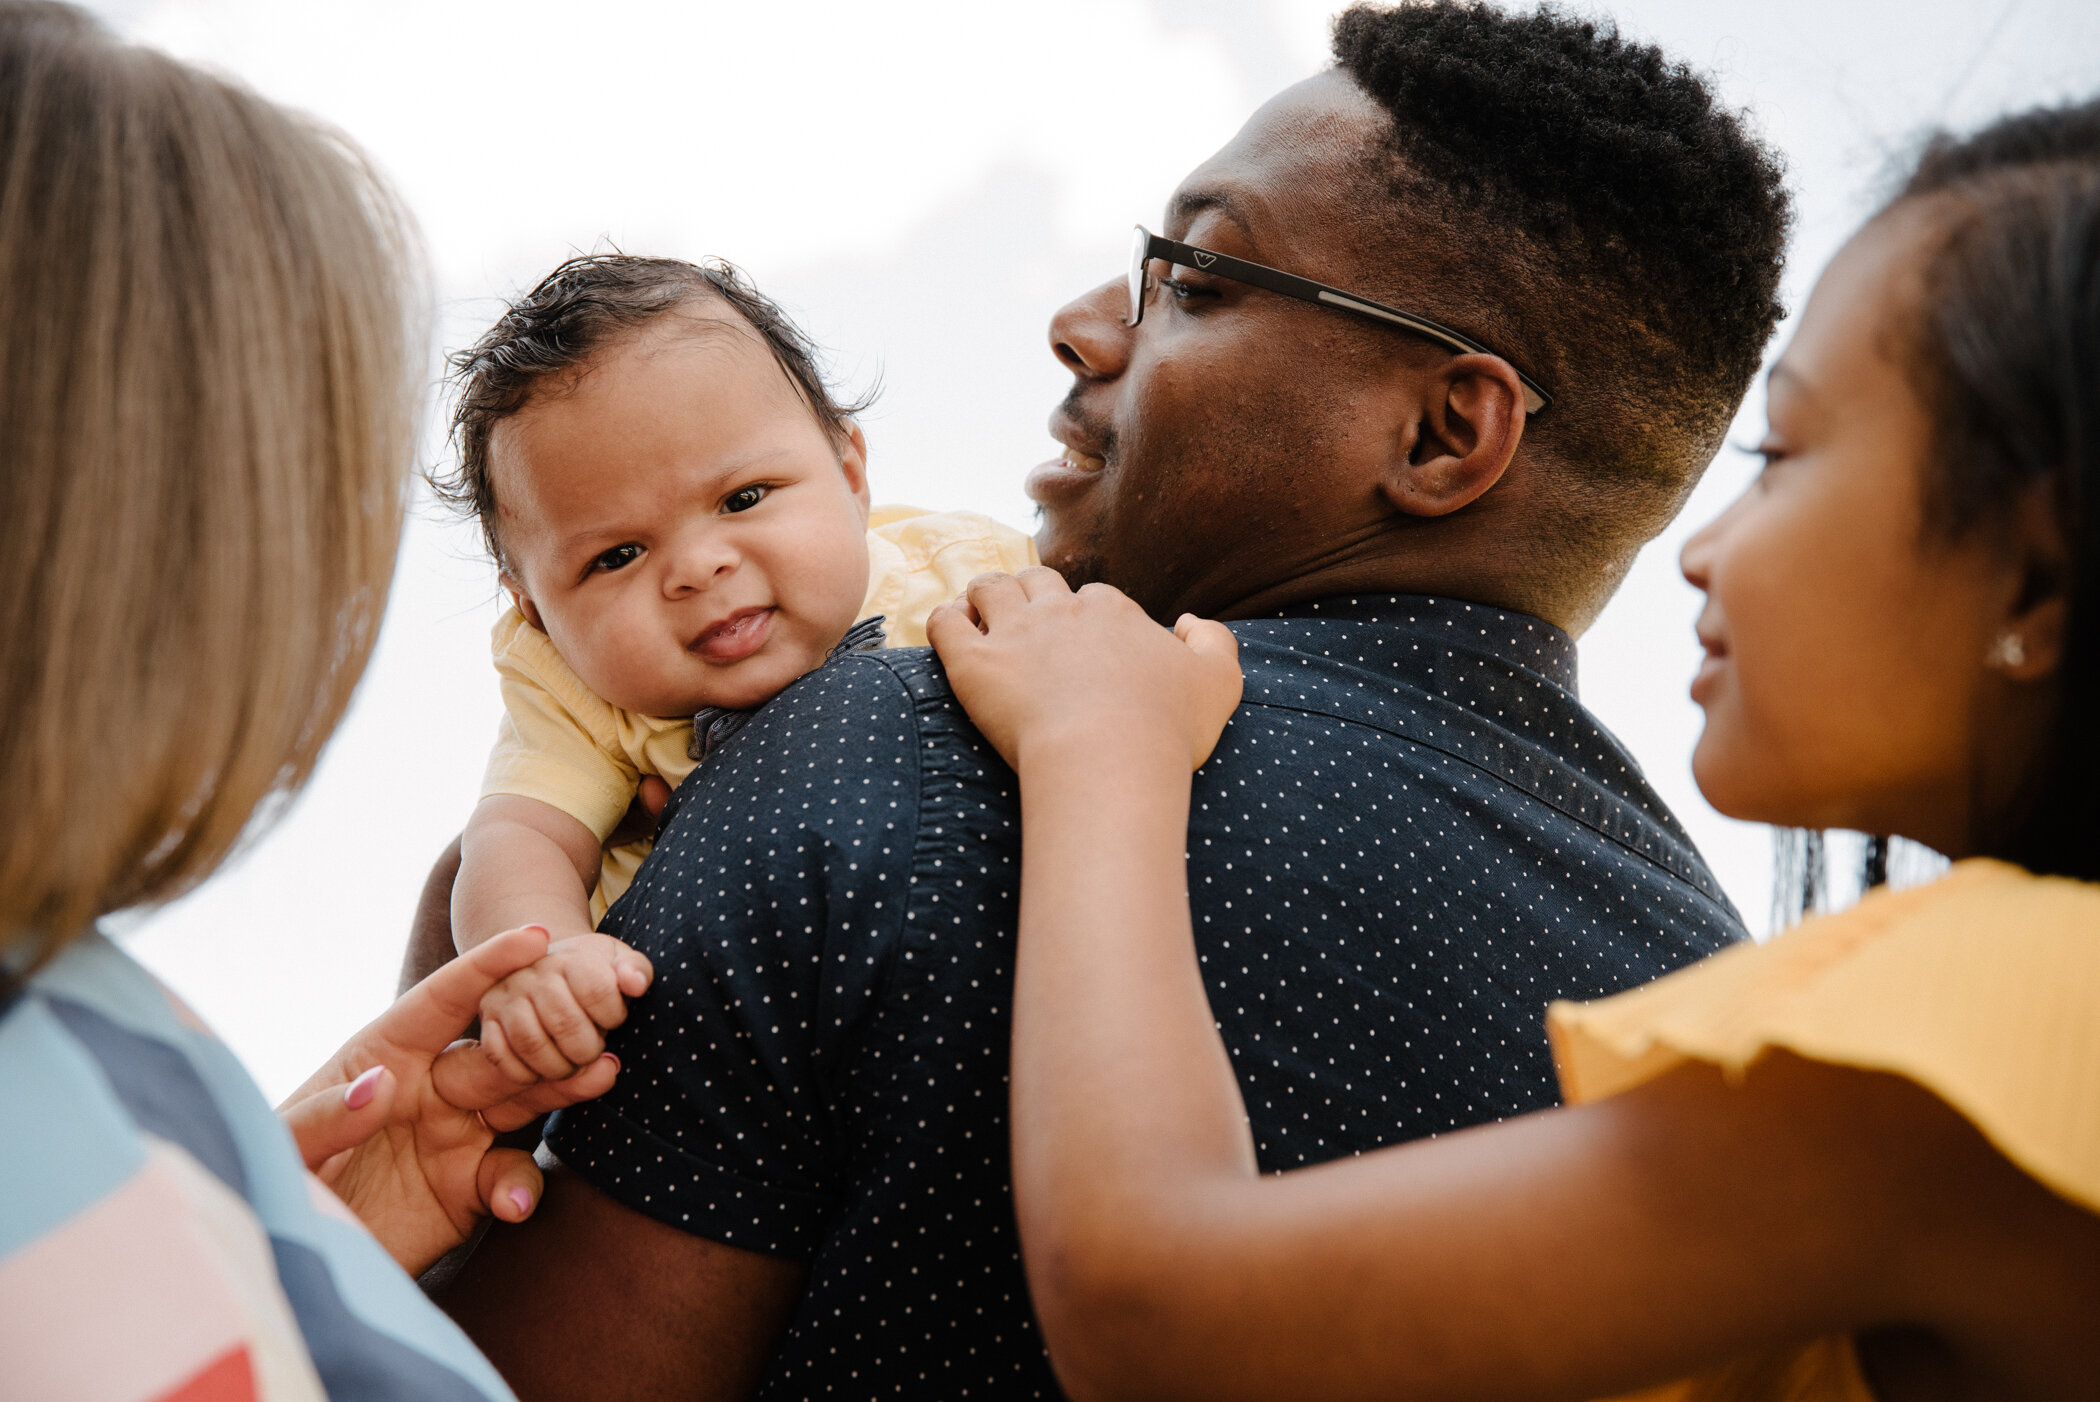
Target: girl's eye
[[617, 558], [744, 498], [1768, 453]]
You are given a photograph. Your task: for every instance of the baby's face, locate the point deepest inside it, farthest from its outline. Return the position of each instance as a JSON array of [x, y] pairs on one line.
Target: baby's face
[[678, 523]]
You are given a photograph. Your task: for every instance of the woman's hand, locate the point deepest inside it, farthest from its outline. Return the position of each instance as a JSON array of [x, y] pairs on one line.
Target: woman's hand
[[401, 1122], [1036, 664]]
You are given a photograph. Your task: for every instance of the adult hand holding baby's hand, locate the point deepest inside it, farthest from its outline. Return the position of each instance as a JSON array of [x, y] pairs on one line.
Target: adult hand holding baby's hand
[[401, 1122], [549, 1020], [1036, 664]]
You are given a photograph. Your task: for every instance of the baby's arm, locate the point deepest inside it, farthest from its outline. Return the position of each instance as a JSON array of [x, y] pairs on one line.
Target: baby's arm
[[524, 862]]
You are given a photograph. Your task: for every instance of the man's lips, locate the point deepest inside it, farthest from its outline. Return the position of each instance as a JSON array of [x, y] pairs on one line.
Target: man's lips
[[1067, 472], [735, 637]]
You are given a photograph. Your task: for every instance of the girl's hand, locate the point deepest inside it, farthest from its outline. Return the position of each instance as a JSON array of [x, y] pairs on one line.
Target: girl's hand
[[401, 1122], [1038, 666]]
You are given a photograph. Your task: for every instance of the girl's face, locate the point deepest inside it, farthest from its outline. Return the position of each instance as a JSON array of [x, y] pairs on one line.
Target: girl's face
[[1855, 675]]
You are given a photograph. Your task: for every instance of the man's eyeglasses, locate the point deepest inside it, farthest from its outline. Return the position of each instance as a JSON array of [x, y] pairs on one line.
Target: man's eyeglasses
[[1148, 246]]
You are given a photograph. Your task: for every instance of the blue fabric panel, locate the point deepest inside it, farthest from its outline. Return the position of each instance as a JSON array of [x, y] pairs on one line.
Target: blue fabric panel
[[163, 1092], [68, 1144], [358, 1363]]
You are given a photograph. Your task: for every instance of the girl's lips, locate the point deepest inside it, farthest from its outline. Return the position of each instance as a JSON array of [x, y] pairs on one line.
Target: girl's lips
[[1709, 676], [735, 637], [1064, 473]]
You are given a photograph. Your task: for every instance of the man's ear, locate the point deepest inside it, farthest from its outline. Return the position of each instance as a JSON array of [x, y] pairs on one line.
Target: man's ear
[[1471, 420], [519, 597], [853, 461]]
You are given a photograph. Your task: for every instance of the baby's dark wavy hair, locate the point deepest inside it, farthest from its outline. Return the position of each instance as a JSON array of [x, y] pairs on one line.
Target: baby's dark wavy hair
[[2006, 343], [577, 311], [1622, 229]]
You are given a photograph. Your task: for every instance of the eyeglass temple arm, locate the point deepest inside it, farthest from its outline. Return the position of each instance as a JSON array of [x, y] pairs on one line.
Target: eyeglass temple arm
[[1306, 290]]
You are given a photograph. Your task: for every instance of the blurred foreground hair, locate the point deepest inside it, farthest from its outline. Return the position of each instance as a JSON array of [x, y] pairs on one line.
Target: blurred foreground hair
[[209, 373]]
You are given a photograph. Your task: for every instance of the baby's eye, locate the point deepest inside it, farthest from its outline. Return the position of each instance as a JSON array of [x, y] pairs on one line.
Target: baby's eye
[[744, 498], [617, 558]]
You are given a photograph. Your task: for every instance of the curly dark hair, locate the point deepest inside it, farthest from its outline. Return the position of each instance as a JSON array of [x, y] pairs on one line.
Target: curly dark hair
[[1619, 228], [579, 310]]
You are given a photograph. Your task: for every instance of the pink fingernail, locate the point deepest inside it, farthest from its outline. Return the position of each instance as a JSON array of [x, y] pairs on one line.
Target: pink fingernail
[[614, 1060], [358, 1094], [521, 1200]]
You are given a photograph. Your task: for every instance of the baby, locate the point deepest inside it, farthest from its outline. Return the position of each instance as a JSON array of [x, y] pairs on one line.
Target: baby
[[678, 508]]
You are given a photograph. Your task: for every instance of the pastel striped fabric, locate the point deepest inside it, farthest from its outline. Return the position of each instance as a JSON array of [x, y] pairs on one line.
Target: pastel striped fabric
[[160, 1239]]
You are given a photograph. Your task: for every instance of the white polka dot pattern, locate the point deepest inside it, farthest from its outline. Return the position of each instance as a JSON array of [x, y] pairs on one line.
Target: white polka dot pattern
[[1411, 839]]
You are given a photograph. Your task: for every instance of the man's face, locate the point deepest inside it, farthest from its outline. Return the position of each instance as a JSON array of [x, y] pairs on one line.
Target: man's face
[[1222, 448]]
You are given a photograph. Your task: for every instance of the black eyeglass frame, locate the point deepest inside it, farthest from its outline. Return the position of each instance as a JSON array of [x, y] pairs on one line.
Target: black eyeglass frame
[[1148, 246]]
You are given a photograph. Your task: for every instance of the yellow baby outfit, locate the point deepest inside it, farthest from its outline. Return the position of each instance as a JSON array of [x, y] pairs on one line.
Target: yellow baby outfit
[[562, 744], [1984, 988]]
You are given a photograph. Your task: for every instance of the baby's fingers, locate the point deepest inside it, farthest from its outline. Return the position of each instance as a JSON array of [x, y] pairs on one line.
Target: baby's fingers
[[534, 1101], [517, 1029]]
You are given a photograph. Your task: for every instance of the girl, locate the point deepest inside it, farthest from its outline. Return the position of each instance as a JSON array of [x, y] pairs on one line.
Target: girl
[[1862, 1161]]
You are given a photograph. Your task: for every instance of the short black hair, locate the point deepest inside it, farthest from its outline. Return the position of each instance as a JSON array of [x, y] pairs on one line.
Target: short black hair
[[1624, 233], [579, 310]]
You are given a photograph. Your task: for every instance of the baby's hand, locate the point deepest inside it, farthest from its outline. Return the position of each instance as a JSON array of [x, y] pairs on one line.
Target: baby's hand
[[546, 1021]]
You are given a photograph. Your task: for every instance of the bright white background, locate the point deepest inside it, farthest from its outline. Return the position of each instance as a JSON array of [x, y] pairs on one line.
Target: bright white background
[[923, 183]]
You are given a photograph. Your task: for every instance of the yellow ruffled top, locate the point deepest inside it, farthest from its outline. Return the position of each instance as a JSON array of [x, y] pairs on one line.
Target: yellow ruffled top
[[1983, 987]]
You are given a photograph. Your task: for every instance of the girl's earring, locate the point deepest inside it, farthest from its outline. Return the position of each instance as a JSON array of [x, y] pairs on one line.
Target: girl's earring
[[2009, 651]]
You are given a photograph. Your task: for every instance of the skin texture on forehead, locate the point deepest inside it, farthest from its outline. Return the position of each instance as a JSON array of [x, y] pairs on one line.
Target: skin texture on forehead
[[1250, 451]]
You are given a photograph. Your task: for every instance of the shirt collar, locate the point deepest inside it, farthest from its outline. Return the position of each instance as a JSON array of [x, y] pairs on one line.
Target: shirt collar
[[1516, 638]]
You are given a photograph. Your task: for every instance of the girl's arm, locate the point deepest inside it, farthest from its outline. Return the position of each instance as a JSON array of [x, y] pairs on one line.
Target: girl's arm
[[1569, 1254]]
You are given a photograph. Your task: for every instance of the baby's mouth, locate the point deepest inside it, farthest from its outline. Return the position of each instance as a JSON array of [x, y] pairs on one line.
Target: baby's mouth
[[735, 637]]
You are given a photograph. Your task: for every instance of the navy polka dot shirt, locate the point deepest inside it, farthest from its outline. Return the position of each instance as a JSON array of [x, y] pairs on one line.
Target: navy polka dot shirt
[[1411, 837]]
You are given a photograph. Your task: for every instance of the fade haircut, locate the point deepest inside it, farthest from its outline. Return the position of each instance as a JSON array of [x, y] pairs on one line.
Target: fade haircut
[[585, 306], [1592, 209]]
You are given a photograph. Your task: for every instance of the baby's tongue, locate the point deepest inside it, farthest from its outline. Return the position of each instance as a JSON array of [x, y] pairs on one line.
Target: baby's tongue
[[735, 637]]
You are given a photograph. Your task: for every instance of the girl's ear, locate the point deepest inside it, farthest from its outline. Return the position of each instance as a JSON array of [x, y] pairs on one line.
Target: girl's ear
[[2030, 642], [522, 599]]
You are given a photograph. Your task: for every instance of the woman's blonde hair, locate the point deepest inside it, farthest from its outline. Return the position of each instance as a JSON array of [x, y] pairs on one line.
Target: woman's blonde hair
[[211, 354]]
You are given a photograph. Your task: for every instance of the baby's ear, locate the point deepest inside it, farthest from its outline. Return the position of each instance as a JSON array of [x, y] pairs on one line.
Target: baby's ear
[[853, 461], [522, 599]]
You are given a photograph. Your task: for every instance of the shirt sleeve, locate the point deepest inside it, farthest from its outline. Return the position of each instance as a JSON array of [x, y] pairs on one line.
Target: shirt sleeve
[[558, 741], [771, 907], [918, 560]]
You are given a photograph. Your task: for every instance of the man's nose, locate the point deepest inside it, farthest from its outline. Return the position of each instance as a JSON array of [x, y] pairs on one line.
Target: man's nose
[[1088, 335]]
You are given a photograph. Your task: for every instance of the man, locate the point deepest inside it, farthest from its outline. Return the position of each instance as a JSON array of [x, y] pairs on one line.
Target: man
[[1411, 837]]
